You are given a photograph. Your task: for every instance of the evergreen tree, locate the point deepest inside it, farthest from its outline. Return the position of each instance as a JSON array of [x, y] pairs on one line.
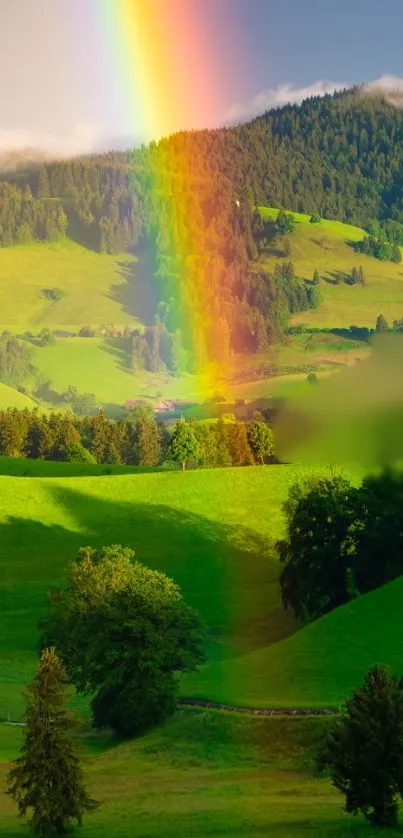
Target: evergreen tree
[[148, 440], [47, 778], [241, 453], [315, 278], [381, 323], [183, 447], [43, 183], [396, 254], [365, 750]]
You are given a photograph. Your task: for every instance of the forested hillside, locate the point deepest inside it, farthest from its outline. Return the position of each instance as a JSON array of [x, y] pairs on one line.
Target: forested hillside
[[188, 204]]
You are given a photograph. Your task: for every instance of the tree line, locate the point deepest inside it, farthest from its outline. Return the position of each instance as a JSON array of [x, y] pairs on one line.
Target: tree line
[[136, 440]]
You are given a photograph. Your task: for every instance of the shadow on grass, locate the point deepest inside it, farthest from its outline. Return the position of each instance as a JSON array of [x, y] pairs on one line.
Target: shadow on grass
[[140, 293], [335, 277], [230, 574]]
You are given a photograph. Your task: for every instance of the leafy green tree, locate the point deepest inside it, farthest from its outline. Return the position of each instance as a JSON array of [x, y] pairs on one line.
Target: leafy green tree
[[124, 633], [47, 780], [317, 560], [74, 452], [261, 439], [396, 254], [183, 447], [315, 218], [47, 337], [364, 752], [314, 296], [381, 323]]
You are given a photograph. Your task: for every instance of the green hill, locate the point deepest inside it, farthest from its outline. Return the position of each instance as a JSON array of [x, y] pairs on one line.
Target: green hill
[[9, 397], [96, 288], [205, 775], [213, 531], [320, 664], [101, 289], [327, 248]]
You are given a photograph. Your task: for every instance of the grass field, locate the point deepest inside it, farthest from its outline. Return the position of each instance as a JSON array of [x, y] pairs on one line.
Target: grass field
[[213, 531], [97, 288], [103, 289], [9, 397], [327, 247], [206, 775]]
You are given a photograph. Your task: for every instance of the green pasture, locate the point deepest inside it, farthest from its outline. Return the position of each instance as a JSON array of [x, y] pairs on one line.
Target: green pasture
[[213, 531], [97, 288], [328, 248], [206, 775]]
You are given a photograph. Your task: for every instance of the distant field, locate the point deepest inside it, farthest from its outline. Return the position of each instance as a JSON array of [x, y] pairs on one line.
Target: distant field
[[327, 247], [97, 288], [118, 289], [9, 397], [99, 366]]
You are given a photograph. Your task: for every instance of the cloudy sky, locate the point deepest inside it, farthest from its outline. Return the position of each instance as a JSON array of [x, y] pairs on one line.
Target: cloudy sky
[[57, 83]]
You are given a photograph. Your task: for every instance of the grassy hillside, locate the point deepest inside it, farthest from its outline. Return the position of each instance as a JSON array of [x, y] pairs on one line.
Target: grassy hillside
[[9, 397], [212, 531], [207, 775], [100, 289], [320, 664], [97, 288], [328, 248]]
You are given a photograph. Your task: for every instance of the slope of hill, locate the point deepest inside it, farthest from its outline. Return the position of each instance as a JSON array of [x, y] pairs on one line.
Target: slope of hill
[[328, 248], [96, 289], [212, 531], [320, 664], [9, 397], [205, 775]]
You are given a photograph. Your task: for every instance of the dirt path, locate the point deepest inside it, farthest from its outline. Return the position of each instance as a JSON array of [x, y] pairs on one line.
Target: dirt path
[[190, 702]]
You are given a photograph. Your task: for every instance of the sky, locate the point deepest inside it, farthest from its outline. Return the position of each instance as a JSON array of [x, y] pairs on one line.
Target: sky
[[58, 80]]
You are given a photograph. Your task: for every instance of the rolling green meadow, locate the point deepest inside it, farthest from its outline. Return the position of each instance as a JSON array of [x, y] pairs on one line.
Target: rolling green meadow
[[205, 772], [101, 289]]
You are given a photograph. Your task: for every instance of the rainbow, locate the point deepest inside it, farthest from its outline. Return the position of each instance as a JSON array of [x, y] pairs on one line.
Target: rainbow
[[165, 78]]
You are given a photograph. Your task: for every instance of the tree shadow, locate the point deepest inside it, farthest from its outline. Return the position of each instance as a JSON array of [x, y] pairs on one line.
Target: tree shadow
[[117, 347], [141, 291], [86, 236], [335, 277]]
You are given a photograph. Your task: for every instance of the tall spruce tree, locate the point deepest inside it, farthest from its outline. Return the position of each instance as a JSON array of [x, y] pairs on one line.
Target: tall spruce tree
[[47, 778], [365, 750]]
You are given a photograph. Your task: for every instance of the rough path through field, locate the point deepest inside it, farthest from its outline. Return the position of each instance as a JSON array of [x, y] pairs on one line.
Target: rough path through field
[[190, 702]]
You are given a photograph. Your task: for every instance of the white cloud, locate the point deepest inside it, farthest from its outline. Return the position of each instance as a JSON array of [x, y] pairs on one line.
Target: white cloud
[[275, 97], [389, 86], [82, 140]]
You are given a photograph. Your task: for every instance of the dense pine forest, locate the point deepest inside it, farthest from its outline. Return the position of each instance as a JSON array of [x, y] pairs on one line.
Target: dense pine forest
[[188, 205]]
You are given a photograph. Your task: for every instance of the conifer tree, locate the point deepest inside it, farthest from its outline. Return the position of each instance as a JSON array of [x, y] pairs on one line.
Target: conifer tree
[[315, 278], [148, 440], [239, 445], [365, 750], [47, 779], [381, 323]]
